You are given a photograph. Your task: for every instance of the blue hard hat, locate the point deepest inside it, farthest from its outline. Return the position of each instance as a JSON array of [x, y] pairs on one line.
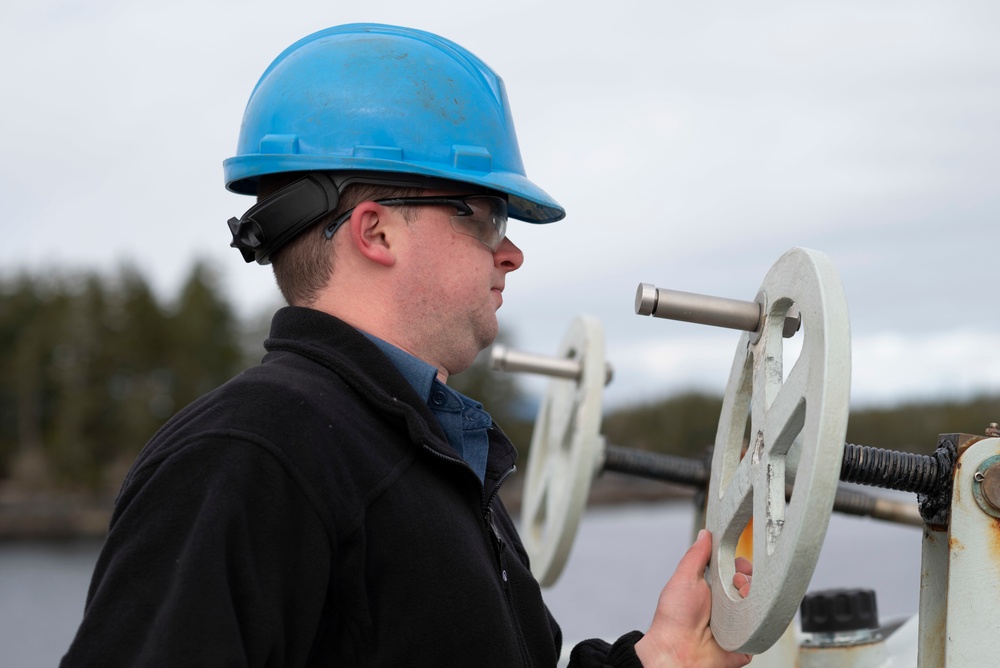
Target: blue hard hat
[[384, 99]]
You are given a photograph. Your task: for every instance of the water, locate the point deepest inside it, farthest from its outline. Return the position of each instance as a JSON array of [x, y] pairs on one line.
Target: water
[[623, 556], [43, 587], [621, 559]]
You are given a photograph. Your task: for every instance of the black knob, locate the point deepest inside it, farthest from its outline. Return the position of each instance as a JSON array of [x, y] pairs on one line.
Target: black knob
[[838, 610]]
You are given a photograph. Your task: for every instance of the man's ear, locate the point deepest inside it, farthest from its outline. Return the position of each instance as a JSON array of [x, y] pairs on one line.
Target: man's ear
[[372, 232]]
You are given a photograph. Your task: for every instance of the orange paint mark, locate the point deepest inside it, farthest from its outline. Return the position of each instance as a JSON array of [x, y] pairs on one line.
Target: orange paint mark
[[744, 547], [995, 539]]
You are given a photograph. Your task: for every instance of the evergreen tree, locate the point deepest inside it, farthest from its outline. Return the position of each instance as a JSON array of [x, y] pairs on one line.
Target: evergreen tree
[[204, 345], [20, 379]]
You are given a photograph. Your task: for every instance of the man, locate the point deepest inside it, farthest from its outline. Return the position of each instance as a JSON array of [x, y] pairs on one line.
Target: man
[[337, 505]]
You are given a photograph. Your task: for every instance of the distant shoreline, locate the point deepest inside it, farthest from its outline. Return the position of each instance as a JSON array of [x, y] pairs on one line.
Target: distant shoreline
[[608, 489], [60, 516], [38, 515]]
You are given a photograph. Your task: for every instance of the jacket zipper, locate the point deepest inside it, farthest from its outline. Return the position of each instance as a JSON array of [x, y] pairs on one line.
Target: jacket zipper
[[499, 546], [487, 511]]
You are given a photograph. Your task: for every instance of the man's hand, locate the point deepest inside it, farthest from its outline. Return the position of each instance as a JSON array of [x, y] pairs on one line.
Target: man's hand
[[744, 571], [680, 634]]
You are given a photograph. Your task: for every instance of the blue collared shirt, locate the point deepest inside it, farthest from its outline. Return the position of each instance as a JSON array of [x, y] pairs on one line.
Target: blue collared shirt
[[463, 420]]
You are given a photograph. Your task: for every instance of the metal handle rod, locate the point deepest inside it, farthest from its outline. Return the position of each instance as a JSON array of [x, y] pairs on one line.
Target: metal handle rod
[[705, 310], [851, 501], [695, 473], [505, 359]]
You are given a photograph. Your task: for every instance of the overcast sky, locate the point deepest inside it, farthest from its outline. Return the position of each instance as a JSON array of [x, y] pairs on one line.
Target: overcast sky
[[692, 144]]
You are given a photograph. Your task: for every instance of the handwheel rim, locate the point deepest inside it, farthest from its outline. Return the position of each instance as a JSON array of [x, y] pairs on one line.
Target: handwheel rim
[[566, 446], [787, 537]]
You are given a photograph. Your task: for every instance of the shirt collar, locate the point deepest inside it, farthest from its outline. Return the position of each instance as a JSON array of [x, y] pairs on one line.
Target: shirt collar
[[417, 372]]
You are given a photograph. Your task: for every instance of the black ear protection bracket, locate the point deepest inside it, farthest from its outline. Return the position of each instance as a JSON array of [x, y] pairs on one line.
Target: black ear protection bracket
[[272, 222]]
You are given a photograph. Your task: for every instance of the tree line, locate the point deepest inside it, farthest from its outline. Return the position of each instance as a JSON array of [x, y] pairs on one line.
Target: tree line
[[686, 424], [91, 365]]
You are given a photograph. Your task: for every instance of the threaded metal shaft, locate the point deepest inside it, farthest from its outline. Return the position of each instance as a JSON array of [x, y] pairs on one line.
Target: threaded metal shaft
[[657, 466], [890, 469], [862, 464]]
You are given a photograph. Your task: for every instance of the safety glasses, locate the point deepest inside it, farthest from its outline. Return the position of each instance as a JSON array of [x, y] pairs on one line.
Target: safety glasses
[[481, 216]]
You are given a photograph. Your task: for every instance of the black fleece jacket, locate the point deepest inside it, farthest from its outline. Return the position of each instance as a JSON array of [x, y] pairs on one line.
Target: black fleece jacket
[[310, 512]]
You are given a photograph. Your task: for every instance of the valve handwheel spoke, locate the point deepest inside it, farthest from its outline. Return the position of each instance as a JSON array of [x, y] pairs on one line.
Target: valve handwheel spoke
[[805, 409]]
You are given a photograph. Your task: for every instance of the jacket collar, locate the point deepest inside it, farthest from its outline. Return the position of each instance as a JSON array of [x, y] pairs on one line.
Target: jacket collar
[[332, 343]]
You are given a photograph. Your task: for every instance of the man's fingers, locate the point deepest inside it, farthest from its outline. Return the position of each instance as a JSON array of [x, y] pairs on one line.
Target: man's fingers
[[695, 560], [741, 582], [744, 573]]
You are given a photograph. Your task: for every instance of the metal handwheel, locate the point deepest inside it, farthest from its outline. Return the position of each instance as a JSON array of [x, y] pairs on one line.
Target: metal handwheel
[[565, 450], [808, 406]]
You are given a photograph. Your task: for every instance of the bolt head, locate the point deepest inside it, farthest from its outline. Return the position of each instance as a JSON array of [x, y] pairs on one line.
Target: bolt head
[[990, 486]]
